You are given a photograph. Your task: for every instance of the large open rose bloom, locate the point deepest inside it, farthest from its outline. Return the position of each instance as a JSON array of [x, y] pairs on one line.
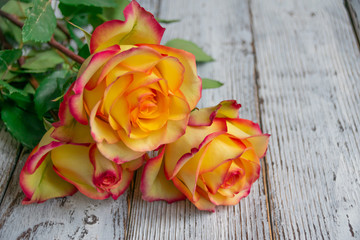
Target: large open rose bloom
[[214, 163], [131, 96]]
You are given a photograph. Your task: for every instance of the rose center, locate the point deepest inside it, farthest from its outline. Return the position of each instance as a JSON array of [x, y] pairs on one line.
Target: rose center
[[232, 178]]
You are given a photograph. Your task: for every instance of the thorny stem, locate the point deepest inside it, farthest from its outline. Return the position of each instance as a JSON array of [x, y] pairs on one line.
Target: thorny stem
[[53, 43]]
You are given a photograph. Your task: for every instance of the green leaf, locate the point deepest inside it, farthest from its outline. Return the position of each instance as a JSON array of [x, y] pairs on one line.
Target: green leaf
[[47, 124], [3, 2], [43, 60], [45, 93], [167, 20], [84, 51], [41, 22], [10, 89], [7, 75], [191, 47], [17, 8], [96, 20], [116, 12], [96, 3], [21, 101], [87, 35], [70, 11], [11, 32], [73, 36], [50, 88], [29, 89], [210, 83], [7, 57], [23, 125]]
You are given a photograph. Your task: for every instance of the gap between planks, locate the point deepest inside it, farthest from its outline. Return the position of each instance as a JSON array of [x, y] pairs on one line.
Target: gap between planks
[[264, 165], [353, 9], [19, 153]]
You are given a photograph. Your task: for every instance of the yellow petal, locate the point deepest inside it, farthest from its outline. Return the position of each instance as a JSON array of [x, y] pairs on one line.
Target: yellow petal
[[101, 130], [72, 163], [192, 85], [118, 152], [172, 71], [139, 26], [44, 184], [154, 185], [221, 149], [189, 144]]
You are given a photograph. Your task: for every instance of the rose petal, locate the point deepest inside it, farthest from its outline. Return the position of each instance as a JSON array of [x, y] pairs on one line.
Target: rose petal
[[205, 116], [214, 179], [172, 70], [221, 149], [44, 184], [118, 152], [199, 201], [259, 143], [103, 168], [73, 132], [189, 144], [179, 108], [72, 163], [97, 61], [101, 130], [134, 164], [169, 133], [139, 26], [190, 170], [154, 186], [126, 178], [243, 128], [40, 152], [192, 85]]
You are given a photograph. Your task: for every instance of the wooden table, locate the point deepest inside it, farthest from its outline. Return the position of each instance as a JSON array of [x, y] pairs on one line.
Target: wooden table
[[295, 68]]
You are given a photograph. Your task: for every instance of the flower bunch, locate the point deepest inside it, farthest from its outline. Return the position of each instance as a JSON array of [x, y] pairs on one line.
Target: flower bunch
[[132, 96]]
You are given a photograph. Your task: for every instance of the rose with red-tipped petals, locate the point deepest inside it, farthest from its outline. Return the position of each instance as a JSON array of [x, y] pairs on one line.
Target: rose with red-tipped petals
[[214, 163], [131, 96]]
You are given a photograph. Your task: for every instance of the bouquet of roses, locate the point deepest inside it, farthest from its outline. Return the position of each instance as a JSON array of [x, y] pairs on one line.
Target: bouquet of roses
[[132, 96]]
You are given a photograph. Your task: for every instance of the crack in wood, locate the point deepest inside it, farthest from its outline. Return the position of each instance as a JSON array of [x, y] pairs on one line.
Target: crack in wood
[[354, 18], [12, 170]]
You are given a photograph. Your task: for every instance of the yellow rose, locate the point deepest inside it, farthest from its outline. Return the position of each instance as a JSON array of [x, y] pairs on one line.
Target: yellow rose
[[131, 96], [214, 163]]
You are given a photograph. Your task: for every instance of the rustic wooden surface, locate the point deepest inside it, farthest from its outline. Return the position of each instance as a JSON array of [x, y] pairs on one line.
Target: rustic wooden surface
[[353, 7], [295, 67]]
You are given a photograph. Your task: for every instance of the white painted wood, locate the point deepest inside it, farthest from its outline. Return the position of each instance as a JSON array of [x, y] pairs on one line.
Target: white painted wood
[[354, 12], [8, 154], [223, 31], [309, 70], [308, 62], [75, 217]]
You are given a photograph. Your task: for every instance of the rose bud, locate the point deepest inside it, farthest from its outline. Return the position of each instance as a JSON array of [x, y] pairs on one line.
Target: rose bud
[[56, 169]]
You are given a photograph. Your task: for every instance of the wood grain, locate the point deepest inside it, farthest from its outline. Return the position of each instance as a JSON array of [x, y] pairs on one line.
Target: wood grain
[[353, 7], [9, 149], [309, 69], [75, 217], [223, 31]]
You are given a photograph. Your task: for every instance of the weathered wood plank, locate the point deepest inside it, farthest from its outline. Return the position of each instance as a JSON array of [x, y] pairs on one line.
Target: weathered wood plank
[[354, 12], [76, 217], [308, 62], [223, 30], [9, 149]]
